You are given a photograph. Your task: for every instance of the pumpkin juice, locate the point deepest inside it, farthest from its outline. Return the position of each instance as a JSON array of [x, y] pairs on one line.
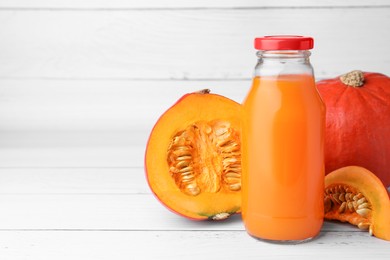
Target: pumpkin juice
[[281, 172], [282, 142]]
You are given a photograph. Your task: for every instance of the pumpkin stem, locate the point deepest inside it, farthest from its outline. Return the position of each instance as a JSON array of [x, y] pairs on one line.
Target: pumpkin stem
[[203, 91], [354, 78]]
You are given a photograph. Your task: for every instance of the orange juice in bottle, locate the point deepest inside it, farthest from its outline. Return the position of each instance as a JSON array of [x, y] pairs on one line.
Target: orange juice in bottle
[[283, 138]]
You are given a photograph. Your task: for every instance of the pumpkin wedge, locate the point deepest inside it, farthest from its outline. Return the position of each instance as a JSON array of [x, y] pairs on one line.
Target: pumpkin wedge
[[356, 195], [193, 157]]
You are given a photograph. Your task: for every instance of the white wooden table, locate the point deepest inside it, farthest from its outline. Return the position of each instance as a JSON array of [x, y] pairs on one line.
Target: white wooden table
[[94, 203]]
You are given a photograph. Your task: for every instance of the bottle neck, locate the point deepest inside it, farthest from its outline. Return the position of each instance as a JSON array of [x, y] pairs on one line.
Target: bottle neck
[[273, 63], [302, 55]]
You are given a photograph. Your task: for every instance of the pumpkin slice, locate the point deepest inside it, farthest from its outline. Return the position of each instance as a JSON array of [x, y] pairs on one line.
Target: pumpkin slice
[[356, 195], [193, 158]]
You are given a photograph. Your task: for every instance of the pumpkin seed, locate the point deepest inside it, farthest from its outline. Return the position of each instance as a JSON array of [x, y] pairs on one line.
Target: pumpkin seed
[[363, 205], [230, 160], [364, 225], [192, 190], [188, 177], [355, 205], [361, 201], [364, 212], [223, 142], [342, 207], [341, 189], [350, 207], [186, 169], [342, 197], [235, 187], [221, 216], [181, 164], [233, 175], [336, 198], [221, 131], [184, 158], [358, 196]]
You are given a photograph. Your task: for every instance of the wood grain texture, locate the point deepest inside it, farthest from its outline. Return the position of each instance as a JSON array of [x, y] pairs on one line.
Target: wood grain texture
[[163, 4], [94, 198], [132, 212], [73, 181], [183, 44], [76, 156], [39, 106], [181, 245]]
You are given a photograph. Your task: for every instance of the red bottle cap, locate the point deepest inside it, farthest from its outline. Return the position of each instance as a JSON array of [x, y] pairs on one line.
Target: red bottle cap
[[284, 42]]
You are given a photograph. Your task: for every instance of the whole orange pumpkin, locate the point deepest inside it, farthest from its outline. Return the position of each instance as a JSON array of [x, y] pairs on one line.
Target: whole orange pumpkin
[[358, 122]]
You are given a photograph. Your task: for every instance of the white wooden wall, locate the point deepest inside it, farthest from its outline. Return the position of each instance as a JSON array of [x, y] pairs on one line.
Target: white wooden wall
[[107, 67]]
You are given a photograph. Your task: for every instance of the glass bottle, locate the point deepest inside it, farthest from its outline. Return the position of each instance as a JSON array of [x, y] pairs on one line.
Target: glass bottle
[[283, 138]]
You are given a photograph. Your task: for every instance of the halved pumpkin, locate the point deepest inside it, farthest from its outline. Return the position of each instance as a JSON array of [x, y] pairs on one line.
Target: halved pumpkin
[[193, 157], [356, 195]]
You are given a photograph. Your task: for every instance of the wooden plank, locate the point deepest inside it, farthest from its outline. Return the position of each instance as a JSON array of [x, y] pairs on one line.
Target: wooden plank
[[73, 181], [97, 211], [183, 44], [73, 156], [106, 212], [182, 245], [184, 4], [56, 107], [93, 198], [44, 139]]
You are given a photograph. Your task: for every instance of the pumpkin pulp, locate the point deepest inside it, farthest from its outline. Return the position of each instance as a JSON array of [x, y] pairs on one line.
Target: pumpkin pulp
[[193, 157]]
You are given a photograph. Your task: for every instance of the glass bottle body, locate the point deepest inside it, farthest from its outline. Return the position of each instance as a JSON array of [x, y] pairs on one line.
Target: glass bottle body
[[283, 138]]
